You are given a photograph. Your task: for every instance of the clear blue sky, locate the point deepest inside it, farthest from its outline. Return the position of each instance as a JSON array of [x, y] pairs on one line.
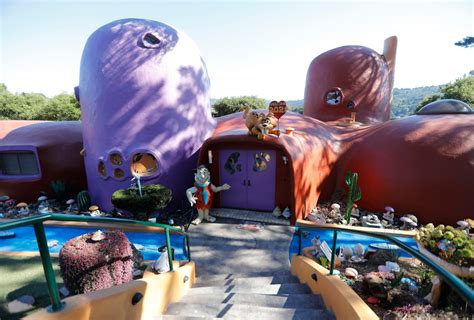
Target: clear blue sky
[[250, 48]]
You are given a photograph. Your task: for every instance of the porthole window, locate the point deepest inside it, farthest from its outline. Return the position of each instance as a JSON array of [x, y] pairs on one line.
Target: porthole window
[[115, 159], [118, 173], [101, 168], [334, 97], [150, 40], [144, 164]]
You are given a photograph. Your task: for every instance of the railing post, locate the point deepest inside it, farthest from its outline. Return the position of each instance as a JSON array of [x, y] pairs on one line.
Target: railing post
[[56, 303], [168, 247], [299, 240], [188, 248], [333, 253]]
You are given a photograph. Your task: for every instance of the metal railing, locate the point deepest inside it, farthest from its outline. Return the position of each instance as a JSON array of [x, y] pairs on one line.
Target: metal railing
[[37, 222], [453, 281]]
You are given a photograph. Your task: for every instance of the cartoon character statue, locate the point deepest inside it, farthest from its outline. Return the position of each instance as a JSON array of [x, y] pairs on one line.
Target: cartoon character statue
[[201, 194], [252, 119]]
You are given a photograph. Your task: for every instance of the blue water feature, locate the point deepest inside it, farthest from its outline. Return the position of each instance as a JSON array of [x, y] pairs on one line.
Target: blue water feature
[[345, 239], [25, 240]]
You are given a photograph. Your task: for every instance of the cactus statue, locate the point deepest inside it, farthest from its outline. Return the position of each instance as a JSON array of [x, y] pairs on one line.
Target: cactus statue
[[83, 201], [354, 193]]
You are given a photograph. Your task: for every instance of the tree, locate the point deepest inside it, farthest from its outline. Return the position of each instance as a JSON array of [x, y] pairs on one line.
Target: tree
[[461, 89], [230, 105], [60, 108], [467, 42]]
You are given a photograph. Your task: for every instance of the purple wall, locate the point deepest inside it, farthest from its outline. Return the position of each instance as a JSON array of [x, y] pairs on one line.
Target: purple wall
[[138, 95]]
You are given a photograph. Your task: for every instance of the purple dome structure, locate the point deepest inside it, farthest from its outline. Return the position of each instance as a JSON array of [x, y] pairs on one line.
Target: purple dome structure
[[144, 95]]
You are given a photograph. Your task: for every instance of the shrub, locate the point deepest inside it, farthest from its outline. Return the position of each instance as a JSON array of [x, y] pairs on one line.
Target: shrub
[[154, 197], [88, 266]]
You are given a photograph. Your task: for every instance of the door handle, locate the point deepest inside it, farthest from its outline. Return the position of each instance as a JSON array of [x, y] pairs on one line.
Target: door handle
[[248, 183], [245, 182]]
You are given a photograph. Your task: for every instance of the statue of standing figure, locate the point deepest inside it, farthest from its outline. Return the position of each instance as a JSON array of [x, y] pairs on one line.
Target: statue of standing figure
[[200, 194]]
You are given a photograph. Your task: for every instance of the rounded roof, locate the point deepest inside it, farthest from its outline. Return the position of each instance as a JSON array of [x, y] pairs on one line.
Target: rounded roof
[[446, 106]]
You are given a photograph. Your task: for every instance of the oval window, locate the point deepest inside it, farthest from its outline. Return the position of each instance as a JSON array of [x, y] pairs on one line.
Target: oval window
[[115, 159], [334, 97], [144, 164], [101, 168]]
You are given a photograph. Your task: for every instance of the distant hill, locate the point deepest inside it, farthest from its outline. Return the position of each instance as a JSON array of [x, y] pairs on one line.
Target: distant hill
[[405, 100]]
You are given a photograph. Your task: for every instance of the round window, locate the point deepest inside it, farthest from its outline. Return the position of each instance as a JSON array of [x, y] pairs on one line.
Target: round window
[[334, 97], [144, 164], [115, 159], [118, 173], [101, 168]]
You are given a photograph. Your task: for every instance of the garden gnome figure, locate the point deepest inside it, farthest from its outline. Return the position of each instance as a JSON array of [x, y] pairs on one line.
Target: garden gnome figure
[[201, 194]]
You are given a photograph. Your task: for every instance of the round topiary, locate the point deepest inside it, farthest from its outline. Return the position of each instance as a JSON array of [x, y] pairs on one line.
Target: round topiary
[[87, 265], [154, 197]]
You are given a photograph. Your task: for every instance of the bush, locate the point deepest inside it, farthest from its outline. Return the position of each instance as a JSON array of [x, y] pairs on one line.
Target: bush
[[155, 197], [88, 266], [230, 105]]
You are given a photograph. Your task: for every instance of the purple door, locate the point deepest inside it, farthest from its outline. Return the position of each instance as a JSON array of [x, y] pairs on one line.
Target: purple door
[[251, 174], [233, 170]]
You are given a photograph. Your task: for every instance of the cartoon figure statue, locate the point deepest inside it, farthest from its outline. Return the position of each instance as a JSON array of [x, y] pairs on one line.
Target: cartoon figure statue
[[201, 194]]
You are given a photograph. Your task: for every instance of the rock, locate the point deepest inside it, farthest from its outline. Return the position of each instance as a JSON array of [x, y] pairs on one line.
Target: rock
[[52, 243], [373, 300], [351, 273], [374, 284], [347, 252], [137, 273], [137, 256], [64, 291], [433, 297], [21, 304], [400, 298]]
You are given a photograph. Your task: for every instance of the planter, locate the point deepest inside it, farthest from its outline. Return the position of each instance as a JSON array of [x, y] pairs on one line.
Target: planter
[[462, 272]]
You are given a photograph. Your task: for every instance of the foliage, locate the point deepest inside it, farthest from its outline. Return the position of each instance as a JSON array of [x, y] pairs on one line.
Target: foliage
[[354, 193], [155, 197], [461, 89], [36, 106], [59, 189], [88, 266], [452, 245], [406, 100], [467, 42], [83, 201], [230, 105]]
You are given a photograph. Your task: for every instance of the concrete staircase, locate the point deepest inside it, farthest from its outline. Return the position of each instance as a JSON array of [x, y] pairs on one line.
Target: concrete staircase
[[261, 296]]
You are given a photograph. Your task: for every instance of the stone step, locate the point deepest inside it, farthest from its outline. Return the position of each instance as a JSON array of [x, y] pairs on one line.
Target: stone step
[[222, 276], [285, 288], [253, 281], [179, 317], [307, 301], [243, 312]]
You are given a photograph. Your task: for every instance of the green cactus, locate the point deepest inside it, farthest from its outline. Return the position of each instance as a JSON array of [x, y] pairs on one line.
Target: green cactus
[[355, 194], [83, 201], [59, 189]]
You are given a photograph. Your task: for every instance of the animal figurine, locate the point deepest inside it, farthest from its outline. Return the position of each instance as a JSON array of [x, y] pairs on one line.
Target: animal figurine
[[201, 194], [252, 119], [265, 126], [231, 164]]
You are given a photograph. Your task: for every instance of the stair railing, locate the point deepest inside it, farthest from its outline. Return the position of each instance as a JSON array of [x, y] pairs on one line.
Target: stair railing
[[453, 281], [37, 222]]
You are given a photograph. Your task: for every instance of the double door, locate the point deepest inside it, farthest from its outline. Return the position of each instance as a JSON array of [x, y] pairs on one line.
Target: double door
[[251, 175]]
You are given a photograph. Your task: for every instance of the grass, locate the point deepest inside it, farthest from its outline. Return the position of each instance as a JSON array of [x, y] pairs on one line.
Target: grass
[[24, 276]]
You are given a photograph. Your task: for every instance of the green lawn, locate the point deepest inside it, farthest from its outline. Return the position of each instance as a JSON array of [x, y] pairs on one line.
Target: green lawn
[[24, 276]]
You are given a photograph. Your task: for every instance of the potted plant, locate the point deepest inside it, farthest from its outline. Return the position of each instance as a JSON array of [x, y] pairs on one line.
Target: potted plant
[[153, 197], [449, 247]]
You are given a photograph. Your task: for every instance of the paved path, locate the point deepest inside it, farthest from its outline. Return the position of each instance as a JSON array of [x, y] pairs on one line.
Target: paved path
[[221, 247]]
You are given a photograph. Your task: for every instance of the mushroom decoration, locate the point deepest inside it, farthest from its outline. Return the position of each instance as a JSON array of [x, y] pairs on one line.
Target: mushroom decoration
[[94, 210], [43, 200], [23, 208], [355, 211], [409, 222], [335, 210], [464, 226], [71, 205], [388, 214]]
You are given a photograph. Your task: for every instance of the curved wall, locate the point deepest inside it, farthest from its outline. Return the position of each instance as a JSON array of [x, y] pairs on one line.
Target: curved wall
[[143, 90]]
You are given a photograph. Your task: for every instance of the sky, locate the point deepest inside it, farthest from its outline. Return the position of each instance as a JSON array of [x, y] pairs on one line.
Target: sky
[[259, 48]]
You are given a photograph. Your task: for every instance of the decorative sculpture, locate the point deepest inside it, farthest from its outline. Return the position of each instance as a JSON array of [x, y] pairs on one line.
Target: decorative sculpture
[[201, 194]]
